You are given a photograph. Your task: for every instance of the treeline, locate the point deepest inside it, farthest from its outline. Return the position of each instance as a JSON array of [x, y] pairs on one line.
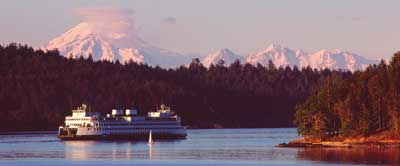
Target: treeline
[[364, 104], [39, 88]]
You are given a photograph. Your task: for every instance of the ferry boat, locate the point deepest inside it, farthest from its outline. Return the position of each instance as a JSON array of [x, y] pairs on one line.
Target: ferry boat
[[121, 124]]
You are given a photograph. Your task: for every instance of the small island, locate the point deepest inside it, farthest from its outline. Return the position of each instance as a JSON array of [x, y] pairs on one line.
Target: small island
[[360, 110]]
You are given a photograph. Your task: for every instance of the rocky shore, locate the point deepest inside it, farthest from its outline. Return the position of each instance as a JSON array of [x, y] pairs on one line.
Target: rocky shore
[[378, 141]]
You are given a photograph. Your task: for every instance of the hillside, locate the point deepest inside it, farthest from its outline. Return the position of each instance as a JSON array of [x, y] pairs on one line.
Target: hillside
[[363, 105]]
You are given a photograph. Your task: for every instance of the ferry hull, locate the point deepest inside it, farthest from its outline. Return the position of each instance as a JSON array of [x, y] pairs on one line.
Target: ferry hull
[[121, 137]]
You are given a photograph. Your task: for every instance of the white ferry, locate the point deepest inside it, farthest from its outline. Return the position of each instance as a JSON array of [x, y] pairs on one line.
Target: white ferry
[[121, 124]]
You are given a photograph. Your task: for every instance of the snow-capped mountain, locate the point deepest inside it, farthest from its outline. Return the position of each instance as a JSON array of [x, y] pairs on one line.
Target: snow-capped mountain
[[279, 55], [112, 44], [115, 42], [223, 54], [336, 59]]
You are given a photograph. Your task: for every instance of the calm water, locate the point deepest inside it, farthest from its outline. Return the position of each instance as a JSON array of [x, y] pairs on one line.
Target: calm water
[[202, 147]]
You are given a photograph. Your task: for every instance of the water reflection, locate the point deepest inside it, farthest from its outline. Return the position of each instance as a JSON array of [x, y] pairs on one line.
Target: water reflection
[[78, 149], [352, 155], [113, 150], [128, 151], [150, 147], [164, 150]]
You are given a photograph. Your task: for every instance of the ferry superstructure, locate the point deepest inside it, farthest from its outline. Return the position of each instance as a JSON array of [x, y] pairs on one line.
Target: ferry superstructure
[[121, 124]]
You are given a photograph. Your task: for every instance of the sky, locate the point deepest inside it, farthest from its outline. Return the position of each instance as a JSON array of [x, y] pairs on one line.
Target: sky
[[370, 28]]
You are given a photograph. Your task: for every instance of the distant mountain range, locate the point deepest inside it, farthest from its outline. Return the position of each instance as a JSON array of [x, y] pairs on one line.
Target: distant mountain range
[[332, 59], [84, 39]]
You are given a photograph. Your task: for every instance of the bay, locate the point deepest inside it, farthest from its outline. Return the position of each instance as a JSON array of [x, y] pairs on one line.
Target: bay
[[202, 147]]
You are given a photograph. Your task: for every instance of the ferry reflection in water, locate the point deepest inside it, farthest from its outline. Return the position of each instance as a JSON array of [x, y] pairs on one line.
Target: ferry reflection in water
[[79, 149], [114, 150], [389, 156]]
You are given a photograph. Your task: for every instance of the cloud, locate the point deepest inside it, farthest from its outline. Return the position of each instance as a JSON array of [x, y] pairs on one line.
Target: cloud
[[112, 22], [104, 14], [169, 20]]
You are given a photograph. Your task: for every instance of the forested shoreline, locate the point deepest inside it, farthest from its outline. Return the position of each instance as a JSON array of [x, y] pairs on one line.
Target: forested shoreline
[[39, 88], [367, 105]]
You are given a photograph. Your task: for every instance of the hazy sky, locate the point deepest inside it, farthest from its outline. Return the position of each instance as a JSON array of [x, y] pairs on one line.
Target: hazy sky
[[368, 27]]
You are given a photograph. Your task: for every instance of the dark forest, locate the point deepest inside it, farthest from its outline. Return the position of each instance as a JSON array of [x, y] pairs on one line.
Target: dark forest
[[39, 88], [365, 104]]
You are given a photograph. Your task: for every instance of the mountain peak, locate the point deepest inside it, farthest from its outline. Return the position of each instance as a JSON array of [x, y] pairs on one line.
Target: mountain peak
[[224, 51], [281, 56], [112, 43], [274, 46], [224, 54]]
